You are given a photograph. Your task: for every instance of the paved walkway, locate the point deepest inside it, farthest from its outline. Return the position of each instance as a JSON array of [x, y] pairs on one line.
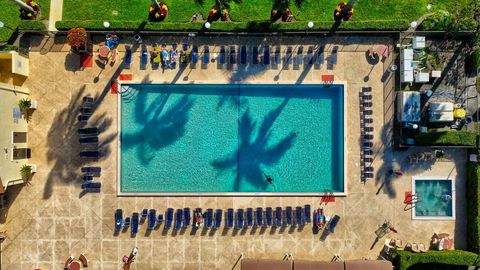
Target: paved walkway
[[56, 8]]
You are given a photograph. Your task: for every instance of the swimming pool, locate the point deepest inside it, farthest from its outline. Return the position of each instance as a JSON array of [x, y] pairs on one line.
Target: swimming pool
[[214, 138], [436, 198]]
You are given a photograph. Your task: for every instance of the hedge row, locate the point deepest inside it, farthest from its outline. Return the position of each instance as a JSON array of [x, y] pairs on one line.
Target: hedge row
[[31, 25], [447, 138], [404, 259], [254, 26], [473, 206]]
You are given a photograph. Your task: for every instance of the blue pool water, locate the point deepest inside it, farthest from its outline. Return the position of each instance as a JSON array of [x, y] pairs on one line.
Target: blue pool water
[[435, 198], [223, 138]]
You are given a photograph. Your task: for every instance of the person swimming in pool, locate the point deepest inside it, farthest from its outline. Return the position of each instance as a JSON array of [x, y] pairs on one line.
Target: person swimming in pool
[[446, 197], [269, 178]]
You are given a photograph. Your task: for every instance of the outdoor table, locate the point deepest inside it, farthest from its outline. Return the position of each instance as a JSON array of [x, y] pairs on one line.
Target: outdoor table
[[74, 266], [104, 51]]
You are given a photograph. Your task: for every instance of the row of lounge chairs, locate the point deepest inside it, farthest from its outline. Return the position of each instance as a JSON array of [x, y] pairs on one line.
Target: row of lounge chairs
[[86, 110], [89, 173], [182, 218], [366, 133], [253, 55]]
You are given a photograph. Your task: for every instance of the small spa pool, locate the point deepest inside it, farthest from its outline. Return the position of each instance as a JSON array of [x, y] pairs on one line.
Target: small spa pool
[[436, 198]]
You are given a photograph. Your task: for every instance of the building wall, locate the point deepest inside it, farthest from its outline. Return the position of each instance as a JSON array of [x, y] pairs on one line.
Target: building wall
[[9, 97]]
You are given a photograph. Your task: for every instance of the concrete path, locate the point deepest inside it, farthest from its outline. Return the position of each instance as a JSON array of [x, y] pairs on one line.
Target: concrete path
[[56, 8]]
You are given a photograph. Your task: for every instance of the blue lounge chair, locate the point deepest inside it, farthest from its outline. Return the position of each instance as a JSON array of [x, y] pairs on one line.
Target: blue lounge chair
[[243, 55], [206, 55], [249, 217], [288, 215], [299, 57], [209, 218], [268, 216], [144, 213], [218, 218], [88, 178], [185, 47], [88, 99], [128, 56], [169, 218], [277, 57], [255, 55], [134, 223], [266, 55], [178, 219], [298, 216], [91, 170], [88, 131], [152, 214], [91, 186], [240, 221], [118, 220], [144, 58], [222, 57], [186, 217], [278, 216], [259, 217], [333, 223], [159, 219], [90, 154], [307, 213], [310, 55], [320, 56], [83, 118], [126, 223], [86, 111], [232, 56], [88, 140], [230, 218], [194, 54], [288, 55]]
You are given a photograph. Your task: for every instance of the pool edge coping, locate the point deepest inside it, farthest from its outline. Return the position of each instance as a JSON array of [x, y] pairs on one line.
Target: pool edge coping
[[227, 194]]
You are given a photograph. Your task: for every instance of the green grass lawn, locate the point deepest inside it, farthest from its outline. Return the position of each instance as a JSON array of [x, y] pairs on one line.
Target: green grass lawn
[[10, 16]]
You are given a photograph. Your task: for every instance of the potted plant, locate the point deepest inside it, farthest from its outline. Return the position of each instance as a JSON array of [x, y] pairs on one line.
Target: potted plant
[[25, 104], [77, 38], [25, 171]]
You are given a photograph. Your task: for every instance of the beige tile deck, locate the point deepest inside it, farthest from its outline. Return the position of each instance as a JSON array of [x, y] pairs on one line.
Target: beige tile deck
[[50, 219]]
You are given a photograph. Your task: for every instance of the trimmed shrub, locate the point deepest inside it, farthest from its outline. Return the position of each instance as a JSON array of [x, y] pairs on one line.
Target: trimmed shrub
[[31, 25], [447, 138], [253, 26], [404, 259], [473, 205]]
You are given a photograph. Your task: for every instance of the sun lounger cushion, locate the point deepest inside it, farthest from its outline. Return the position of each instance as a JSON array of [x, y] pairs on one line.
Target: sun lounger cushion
[[262, 264]]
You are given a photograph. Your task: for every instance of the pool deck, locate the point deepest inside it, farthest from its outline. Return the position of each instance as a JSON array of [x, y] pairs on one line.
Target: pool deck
[[50, 218]]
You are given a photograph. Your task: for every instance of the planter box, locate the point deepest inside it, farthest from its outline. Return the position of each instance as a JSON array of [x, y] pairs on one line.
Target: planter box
[[34, 105], [33, 167]]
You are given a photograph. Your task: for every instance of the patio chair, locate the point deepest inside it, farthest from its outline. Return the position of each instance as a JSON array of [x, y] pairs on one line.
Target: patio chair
[[222, 57], [229, 218], [288, 55], [309, 60], [367, 152], [194, 54], [243, 55], [209, 218], [366, 89], [367, 144], [368, 137], [169, 218], [83, 259], [278, 216], [126, 222], [86, 111], [144, 213], [87, 178], [249, 217], [368, 175], [152, 213], [91, 186], [218, 218], [320, 56], [266, 55], [206, 55], [255, 55], [259, 217], [298, 216], [144, 58], [333, 223], [134, 223], [87, 131], [178, 219], [367, 104], [186, 217], [367, 112], [268, 216], [422, 248], [88, 140], [367, 97], [307, 212], [90, 170], [299, 57], [232, 56], [414, 247], [159, 220], [240, 221], [368, 129], [83, 118], [368, 169], [367, 159], [127, 60], [118, 219], [365, 120], [277, 58], [88, 99], [288, 215]]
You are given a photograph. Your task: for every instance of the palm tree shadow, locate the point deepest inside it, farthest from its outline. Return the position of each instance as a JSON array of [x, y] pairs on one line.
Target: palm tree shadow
[[254, 154], [161, 125]]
